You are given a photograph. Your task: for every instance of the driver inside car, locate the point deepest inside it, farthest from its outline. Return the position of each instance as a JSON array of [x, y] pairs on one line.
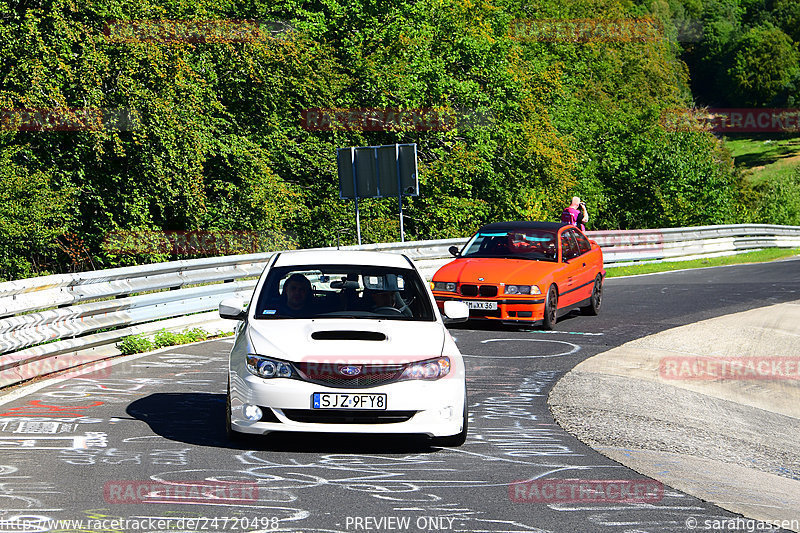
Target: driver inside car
[[385, 300], [297, 297]]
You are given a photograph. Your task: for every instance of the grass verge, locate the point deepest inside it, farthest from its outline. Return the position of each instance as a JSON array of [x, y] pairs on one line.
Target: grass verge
[[142, 343], [765, 157], [760, 256]]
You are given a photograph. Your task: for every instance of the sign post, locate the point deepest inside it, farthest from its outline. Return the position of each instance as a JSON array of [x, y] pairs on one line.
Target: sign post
[[355, 188]]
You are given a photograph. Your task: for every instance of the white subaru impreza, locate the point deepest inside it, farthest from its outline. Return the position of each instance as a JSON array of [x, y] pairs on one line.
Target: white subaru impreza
[[345, 342]]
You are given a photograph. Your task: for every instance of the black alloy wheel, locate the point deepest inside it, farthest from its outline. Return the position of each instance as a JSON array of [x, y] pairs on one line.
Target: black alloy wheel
[[593, 309], [550, 308]]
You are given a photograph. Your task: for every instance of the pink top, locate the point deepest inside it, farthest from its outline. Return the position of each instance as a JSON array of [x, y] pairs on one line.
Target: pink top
[[570, 216]]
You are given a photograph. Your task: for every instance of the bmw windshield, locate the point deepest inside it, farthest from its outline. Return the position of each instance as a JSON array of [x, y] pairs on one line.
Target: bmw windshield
[[534, 244]]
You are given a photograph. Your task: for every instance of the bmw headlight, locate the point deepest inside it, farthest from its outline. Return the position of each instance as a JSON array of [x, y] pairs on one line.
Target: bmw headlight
[[445, 286], [427, 370], [265, 367], [522, 289]]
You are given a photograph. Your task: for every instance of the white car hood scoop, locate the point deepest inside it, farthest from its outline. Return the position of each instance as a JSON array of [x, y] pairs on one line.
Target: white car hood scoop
[[348, 335]]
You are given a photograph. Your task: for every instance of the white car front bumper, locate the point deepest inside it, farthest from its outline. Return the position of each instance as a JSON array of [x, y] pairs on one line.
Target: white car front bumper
[[436, 407]]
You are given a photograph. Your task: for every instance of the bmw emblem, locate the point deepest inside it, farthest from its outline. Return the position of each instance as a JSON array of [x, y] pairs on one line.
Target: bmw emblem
[[480, 279], [350, 370]]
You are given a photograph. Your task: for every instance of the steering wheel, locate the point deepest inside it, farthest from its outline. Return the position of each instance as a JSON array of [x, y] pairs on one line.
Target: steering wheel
[[391, 310], [407, 304]]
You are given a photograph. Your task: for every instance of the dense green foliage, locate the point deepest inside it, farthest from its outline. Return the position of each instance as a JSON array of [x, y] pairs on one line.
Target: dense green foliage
[[163, 338], [218, 142], [778, 200], [135, 344], [33, 213], [749, 53]]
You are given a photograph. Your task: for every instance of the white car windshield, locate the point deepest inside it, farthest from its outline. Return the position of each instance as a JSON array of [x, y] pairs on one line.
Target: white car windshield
[[336, 291]]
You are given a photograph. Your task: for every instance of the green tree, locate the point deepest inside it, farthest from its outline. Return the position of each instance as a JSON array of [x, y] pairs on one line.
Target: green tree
[[786, 15], [217, 140], [765, 60]]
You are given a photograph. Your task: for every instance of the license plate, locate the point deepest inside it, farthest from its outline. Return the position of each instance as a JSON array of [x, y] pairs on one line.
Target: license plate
[[486, 306], [327, 400]]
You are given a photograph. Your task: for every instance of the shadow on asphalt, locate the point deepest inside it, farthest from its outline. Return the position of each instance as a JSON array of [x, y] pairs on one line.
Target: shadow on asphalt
[[198, 418]]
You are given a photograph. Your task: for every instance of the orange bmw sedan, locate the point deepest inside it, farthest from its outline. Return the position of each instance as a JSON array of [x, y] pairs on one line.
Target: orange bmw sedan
[[524, 272]]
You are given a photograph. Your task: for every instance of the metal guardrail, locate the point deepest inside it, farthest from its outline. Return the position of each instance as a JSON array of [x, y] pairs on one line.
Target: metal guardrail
[[55, 322]]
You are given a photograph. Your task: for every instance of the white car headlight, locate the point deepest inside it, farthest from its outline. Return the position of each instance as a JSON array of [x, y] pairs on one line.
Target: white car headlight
[[427, 370], [265, 367]]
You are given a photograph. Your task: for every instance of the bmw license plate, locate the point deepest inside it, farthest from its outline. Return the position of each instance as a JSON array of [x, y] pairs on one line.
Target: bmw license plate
[[486, 306], [326, 400]]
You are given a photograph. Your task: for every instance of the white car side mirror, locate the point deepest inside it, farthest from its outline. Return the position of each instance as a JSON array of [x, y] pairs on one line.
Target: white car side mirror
[[233, 309], [455, 312]]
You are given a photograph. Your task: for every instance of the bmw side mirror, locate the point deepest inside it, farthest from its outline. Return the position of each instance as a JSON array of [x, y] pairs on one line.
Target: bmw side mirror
[[455, 312], [453, 251], [232, 309]]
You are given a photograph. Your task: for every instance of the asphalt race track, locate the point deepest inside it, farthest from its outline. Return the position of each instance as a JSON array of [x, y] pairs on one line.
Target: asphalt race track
[[90, 448]]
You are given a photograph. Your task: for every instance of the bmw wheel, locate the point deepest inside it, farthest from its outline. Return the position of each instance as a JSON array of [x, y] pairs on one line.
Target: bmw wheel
[[550, 308], [593, 309]]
